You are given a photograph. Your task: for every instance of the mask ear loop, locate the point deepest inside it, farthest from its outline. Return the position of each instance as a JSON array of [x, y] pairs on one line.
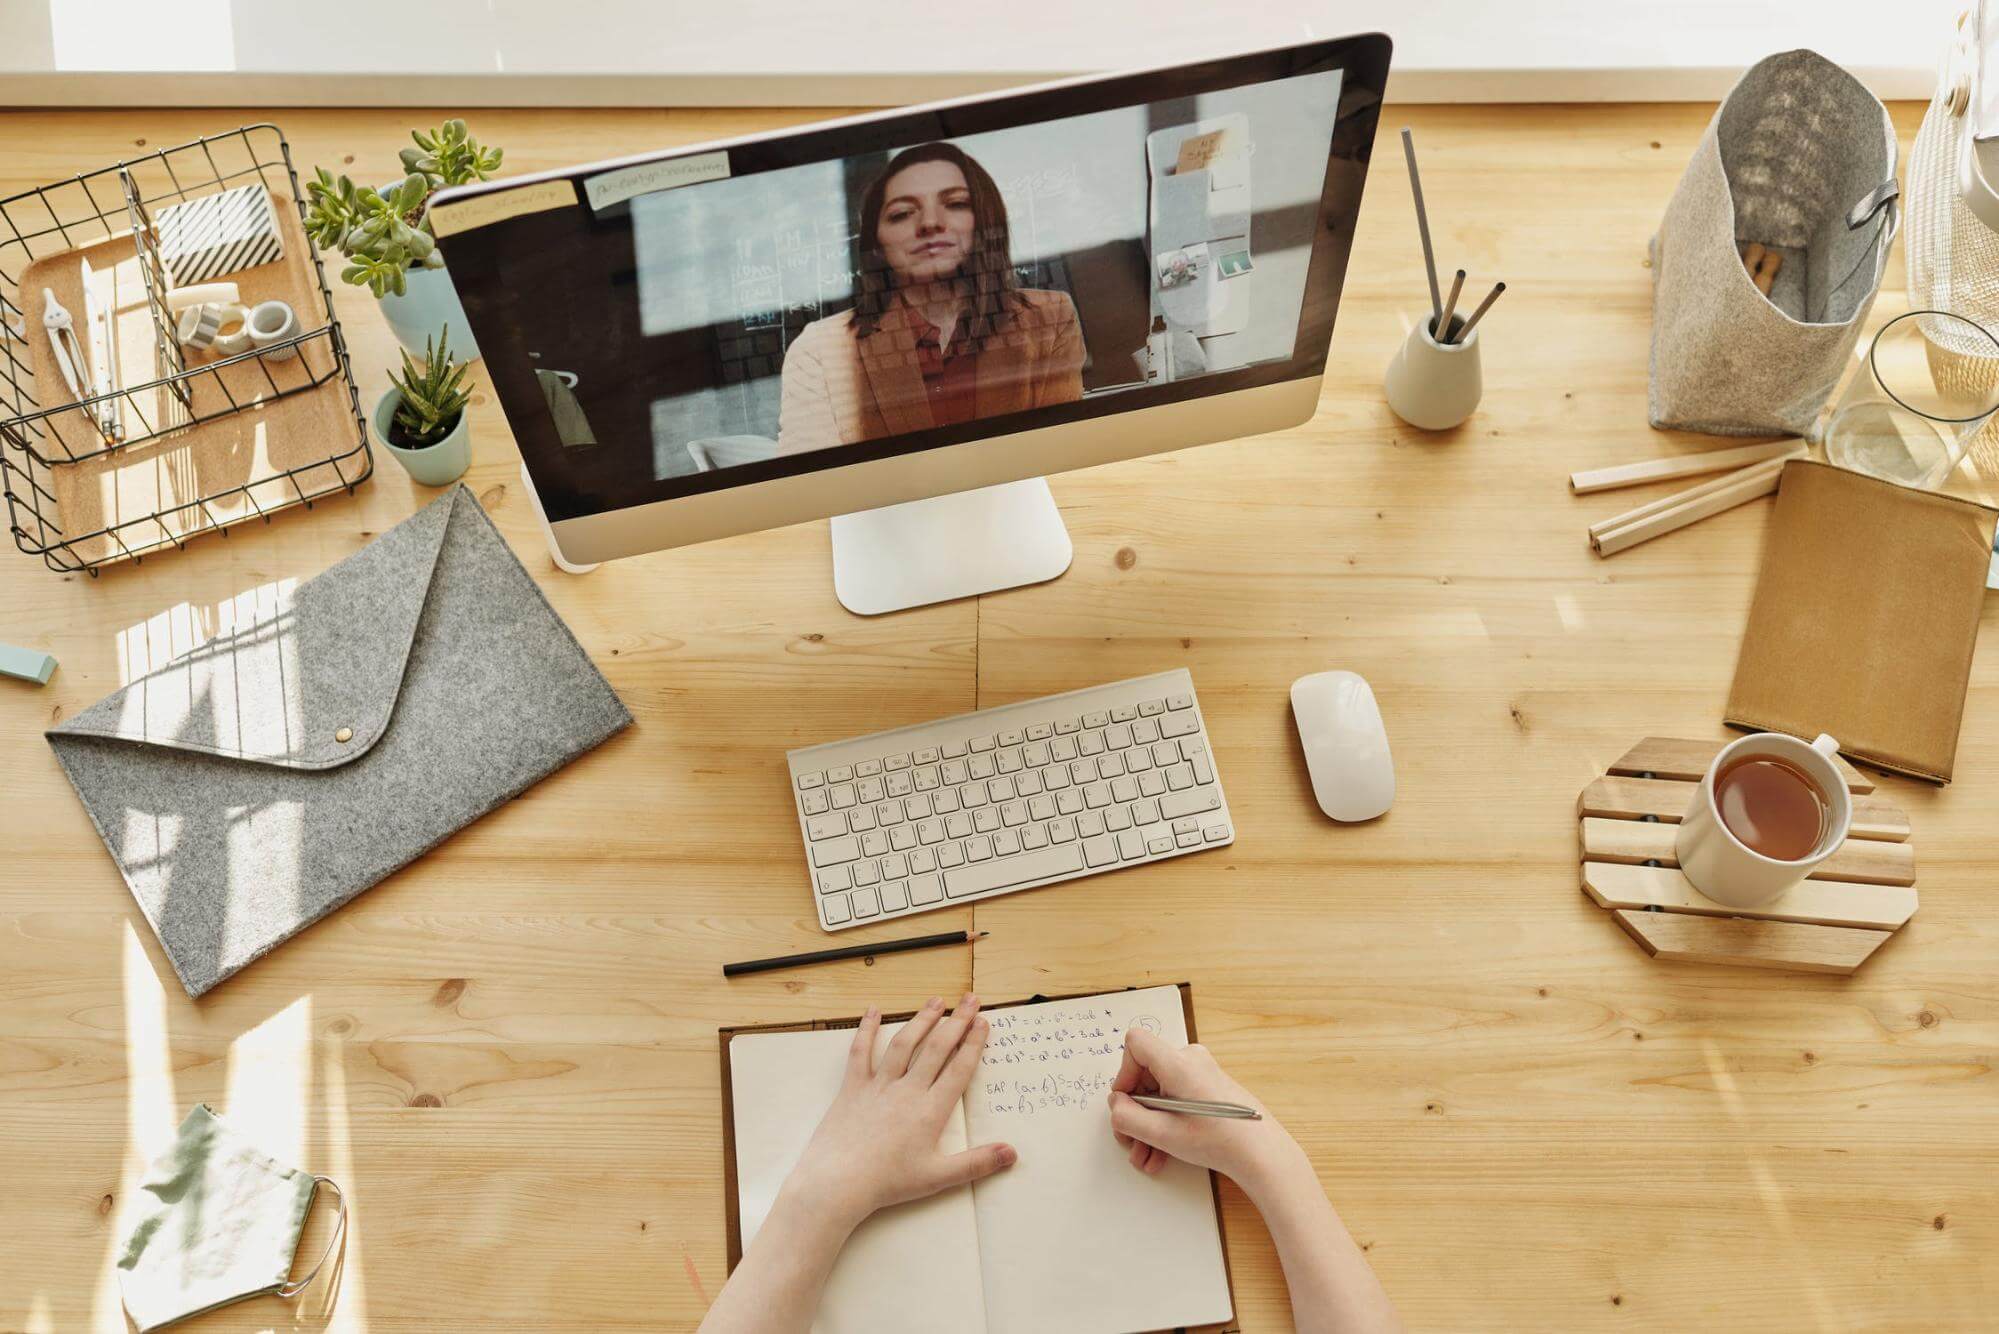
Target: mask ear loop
[[293, 1289]]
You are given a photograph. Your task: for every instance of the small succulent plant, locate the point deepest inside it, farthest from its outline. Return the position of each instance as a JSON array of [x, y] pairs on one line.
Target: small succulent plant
[[433, 395], [383, 233]]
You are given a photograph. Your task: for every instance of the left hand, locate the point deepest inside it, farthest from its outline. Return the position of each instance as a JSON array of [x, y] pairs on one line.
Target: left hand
[[877, 1145]]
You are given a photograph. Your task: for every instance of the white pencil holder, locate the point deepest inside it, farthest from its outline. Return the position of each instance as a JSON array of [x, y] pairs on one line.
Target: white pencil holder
[[1434, 386]]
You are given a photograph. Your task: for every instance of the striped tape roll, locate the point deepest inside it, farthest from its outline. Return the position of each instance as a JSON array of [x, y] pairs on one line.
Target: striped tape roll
[[198, 327], [217, 234]]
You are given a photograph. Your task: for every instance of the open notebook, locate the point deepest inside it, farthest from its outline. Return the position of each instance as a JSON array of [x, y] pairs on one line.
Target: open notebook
[[1071, 1240]]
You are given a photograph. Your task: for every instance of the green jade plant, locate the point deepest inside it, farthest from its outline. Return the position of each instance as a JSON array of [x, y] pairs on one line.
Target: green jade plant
[[385, 234], [432, 398]]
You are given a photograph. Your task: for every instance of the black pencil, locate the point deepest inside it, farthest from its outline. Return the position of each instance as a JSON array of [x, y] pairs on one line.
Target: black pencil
[[852, 952]]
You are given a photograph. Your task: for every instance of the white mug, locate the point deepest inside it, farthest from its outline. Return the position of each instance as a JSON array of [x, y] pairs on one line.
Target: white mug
[[1719, 864]]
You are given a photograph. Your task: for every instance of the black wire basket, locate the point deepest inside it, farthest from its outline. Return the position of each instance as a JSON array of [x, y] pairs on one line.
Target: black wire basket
[[37, 441]]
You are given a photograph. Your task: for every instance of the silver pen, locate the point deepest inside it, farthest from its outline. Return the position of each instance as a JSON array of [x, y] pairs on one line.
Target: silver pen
[[1197, 1107]]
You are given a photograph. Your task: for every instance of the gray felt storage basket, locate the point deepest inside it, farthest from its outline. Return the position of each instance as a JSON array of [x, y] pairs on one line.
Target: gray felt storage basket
[[1801, 158]]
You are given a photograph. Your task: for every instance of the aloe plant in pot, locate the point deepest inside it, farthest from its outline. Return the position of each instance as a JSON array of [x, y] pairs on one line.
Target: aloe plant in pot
[[386, 239], [421, 419]]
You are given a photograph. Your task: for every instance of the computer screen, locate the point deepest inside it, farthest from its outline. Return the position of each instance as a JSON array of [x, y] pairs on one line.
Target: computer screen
[[719, 316]]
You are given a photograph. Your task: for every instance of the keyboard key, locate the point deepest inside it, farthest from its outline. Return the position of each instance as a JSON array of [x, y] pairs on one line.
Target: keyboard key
[[843, 796], [981, 744], [1145, 812], [1096, 719], [1179, 701], [929, 831], [926, 778], [1151, 784], [1100, 851], [945, 801], [1163, 843], [1179, 724], [1216, 833], [950, 855], [972, 795], [1061, 831], [1144, 732], [895, 897], [874, 843], [953, 750], [840, 773], [1000, 789], [978, 849], [889, 813], [836, 879], [1191, 802], [866, 905], [1021, 870], [982, 766], [870, 790], [1118, 737], [1180, 777], [1130, 845], [1027, 784], [1061, 750], [1124, 789], [1186, 825], [928, 755], [1006, 843], [1117, 818], [916, 808], [1124, 713], [1013, 814], [894, 763], [1068, 801], [824, 826], [902, 838], [1165, 753], [1110, 766], [1008, 761], [921, 861], [1011, 738], [1033, 836], [899, 785], [1090, 743], [958, 825], [955, 772], [1041, 808], [1040, 731], [1089, 824], [1204, 772], [861, 819], [1035, 756], [1191, 840], [814, 803], [1097, 795], [1083, 771], [808, 781], [868, 769], [834, 851], [985, 819], [1137, 760], [867, 872], [1064, 726], [895, 866], [1192, 746], [1152, 708], [835, 908], [925, 889]]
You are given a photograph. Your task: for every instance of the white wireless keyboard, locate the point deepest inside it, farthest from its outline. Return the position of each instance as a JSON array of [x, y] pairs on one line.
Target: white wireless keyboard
[[1008, 798]]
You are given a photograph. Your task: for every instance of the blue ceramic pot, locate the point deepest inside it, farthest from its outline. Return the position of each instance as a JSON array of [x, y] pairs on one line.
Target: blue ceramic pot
[[434, 465]]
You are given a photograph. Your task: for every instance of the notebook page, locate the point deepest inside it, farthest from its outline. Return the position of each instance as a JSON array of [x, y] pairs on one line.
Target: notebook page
[[1072, 1240], [913, 1269]]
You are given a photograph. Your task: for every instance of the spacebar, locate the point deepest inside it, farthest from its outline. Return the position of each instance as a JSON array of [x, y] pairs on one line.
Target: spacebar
[[1037, 865]]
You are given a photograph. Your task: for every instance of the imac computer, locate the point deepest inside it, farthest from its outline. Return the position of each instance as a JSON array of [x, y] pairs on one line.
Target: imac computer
[[904, 320]]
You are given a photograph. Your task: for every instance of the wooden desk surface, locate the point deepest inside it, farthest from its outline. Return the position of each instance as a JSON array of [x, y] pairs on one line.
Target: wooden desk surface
[[506, 1053]]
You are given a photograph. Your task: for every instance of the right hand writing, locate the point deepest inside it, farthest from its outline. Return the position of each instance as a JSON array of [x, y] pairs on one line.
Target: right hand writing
[[1245, 1151]]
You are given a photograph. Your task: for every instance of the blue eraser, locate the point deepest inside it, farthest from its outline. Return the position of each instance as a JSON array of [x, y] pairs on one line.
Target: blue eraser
[[26, 664]]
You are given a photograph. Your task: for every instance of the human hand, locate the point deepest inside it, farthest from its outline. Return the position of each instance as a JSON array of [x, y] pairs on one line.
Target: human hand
[[877, 1144], [1246, 1151]]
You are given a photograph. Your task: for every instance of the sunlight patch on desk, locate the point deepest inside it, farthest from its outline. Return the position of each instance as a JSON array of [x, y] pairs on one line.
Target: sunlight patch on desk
[[269, 1086], [1571, 613], [152, 1106], [40, 1319], [351, 1296], [184, 627]]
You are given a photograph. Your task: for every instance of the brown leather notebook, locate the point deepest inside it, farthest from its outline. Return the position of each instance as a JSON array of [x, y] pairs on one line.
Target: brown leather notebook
[[1865, 618], [1043, 1060]]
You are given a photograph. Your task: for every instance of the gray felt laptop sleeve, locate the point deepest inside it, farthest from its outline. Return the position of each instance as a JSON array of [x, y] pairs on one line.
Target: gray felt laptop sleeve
[[259, 782]]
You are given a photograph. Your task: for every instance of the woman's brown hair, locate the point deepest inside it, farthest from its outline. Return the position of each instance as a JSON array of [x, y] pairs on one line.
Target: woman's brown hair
[[986, 277]]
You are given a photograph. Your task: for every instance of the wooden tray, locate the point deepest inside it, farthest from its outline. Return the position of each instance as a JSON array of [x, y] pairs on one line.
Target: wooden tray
[[1829, 924]]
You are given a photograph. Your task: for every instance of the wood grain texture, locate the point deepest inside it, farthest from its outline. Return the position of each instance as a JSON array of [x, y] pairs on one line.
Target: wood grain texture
[[1741, 943], [507, 1051], [1673, 757], [1667, 800], [1868, 861]]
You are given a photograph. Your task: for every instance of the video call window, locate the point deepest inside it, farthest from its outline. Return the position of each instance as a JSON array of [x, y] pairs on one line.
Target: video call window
[[966, 279]]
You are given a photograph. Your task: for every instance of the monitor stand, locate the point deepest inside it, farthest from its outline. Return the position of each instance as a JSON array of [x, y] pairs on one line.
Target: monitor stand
[[947, 547]]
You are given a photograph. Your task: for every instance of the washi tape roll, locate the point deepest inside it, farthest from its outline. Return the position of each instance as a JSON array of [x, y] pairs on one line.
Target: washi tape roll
[[198, 326], [273, 322], [204, 294], [234, 336]]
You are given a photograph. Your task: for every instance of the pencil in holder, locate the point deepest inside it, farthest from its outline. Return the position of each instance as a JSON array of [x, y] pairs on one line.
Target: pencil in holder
[[1434, 386]]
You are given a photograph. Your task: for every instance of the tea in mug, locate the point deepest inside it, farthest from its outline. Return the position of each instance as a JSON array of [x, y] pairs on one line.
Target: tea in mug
[[1774, 807]]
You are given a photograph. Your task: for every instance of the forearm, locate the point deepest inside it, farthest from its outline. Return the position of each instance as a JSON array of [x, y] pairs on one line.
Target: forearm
[[776, 1287], [1333, 1291]]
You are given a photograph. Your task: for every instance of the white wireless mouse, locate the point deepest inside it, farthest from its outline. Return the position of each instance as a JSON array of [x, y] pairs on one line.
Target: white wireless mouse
[[1346, 747]]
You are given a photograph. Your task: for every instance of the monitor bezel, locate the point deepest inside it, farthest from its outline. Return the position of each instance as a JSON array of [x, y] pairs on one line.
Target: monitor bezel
[[1362, 61]]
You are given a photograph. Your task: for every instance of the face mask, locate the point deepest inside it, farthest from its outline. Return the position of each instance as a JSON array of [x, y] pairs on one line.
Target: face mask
[[219, 1222]]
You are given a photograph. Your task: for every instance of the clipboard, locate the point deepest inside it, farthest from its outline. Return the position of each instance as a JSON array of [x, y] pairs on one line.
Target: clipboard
[[731, 1212]]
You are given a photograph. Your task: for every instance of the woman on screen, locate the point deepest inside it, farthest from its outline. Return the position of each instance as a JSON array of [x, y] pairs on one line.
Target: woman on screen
[[940, 332]]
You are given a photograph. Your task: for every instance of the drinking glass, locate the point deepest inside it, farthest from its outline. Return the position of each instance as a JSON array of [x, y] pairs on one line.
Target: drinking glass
[[1910, 412]]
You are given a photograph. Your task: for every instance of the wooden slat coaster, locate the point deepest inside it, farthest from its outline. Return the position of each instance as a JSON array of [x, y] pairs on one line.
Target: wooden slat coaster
[[1829, 924]]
